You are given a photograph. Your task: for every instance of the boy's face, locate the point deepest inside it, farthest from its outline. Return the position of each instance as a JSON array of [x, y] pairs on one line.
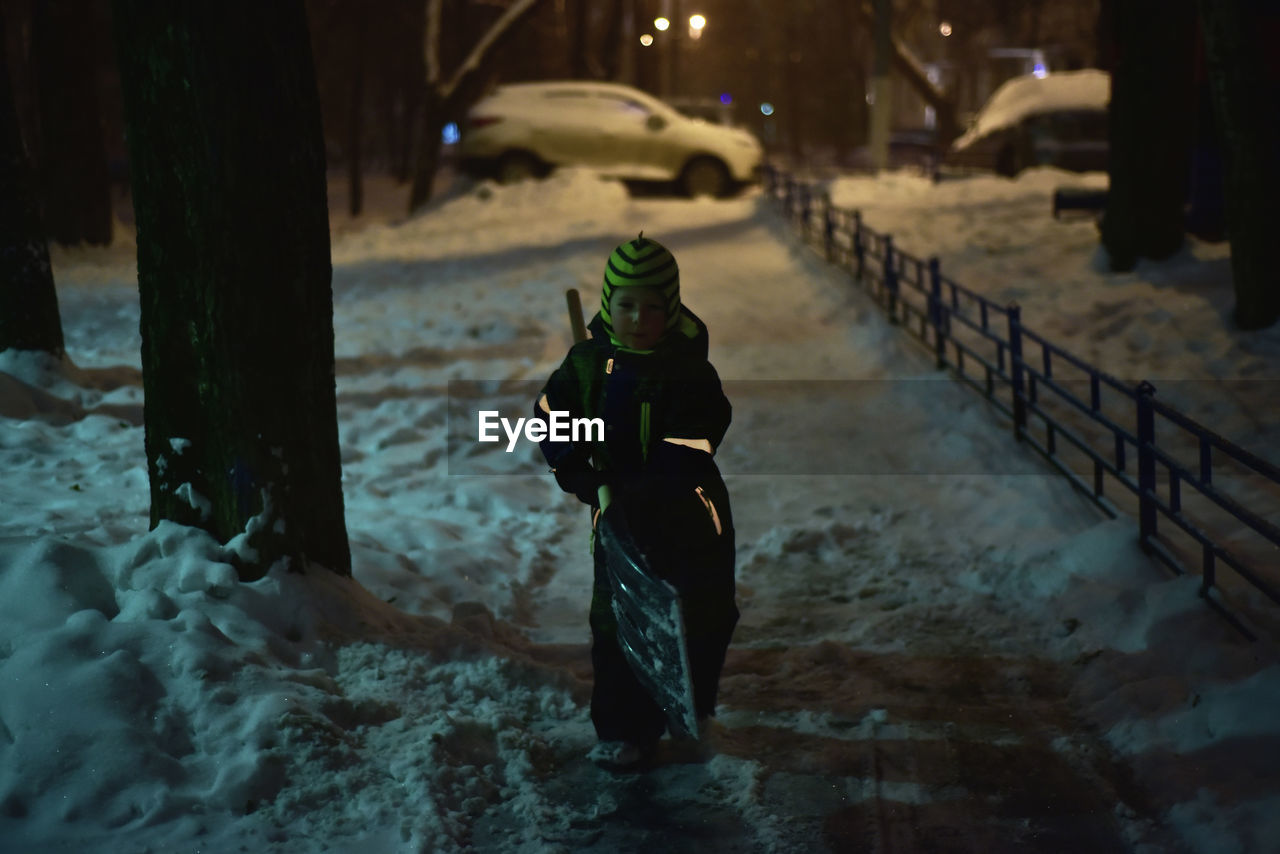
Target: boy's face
[[639, 317]]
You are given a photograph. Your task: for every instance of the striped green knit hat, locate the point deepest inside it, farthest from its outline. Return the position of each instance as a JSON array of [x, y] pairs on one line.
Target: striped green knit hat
[[642, 263]]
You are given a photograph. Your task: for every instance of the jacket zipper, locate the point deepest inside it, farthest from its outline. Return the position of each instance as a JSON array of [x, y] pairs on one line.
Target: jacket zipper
[[644, 431]]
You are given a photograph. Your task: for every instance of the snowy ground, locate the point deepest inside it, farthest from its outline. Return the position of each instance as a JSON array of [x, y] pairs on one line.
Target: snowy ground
[[941, 645]]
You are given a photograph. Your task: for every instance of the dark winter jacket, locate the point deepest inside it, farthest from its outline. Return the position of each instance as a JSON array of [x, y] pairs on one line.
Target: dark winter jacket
[[671, 392], [677, 504]]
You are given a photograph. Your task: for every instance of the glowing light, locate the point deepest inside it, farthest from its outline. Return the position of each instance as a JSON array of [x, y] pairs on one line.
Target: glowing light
[[766, 109], [726, 98], [945, 29], [450, 133], [1040, 70], [646, 40], [661, 24], [697, 22]]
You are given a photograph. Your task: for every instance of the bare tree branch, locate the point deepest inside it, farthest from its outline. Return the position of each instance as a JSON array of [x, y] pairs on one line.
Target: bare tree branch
[[451, 98], [431, 43], [911, 68], [475, 60]]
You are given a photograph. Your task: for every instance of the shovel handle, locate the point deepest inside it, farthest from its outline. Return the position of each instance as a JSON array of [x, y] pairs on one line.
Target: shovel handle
[[575, 315]]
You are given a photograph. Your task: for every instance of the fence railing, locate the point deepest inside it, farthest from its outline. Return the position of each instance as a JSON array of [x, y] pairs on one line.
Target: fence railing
[[1221, 502]]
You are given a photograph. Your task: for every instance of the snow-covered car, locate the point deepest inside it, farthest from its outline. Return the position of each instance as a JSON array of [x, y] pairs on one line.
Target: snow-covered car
[[523, 130], [1059, 119]]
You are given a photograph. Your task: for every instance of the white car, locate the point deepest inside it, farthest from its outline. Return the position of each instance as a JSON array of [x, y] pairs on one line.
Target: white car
[[526, 129], [1056, 120]]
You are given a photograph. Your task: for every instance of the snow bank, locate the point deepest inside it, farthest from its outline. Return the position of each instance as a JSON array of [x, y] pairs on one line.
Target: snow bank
[[146, 688], [1016, 99]]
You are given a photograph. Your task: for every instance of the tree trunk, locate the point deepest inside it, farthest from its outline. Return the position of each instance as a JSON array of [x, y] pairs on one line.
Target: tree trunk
[[1034, 8], [355, 124], [408, 138], [1206, 213], [1150, 116], [855, 118], [392, 105], [788, 115], [882, 106], [1245, 93], [228, 172], [612, 48], [75, 181], [446, 100], [428, 160], [912, 70], [579, 39], [29, 317]]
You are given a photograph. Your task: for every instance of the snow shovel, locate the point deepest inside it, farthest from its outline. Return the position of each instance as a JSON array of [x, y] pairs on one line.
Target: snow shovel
[[650, 619]]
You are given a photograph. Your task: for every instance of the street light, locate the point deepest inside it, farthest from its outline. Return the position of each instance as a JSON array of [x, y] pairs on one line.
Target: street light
[[696, 23], [646, 40], [661, 24]]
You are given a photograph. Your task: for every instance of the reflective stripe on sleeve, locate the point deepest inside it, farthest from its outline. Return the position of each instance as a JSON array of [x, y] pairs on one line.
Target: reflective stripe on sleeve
[[711, 509], [696, 444]]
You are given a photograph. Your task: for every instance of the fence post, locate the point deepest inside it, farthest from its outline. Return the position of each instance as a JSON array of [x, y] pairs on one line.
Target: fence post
[[890, 278], [859, 248], [789, 196], [828, 228], [936, 312], [770, 180], [1014, 313], [1146, 463]]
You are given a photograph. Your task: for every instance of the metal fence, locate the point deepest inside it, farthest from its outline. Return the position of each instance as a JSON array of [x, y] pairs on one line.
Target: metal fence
[[1220, 502]]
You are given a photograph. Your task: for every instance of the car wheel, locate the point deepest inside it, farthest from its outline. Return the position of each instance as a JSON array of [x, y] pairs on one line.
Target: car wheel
[[704, 176], [516, 166]]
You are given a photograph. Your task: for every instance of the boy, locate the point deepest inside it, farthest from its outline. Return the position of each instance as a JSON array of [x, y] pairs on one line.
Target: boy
[[644, 371]]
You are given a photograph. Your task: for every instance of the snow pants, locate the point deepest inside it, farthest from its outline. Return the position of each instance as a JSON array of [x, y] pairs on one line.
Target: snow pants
[[701, 567]]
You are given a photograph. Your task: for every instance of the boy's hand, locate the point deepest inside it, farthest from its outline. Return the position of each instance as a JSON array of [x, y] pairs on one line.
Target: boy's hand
[[575, 475]]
